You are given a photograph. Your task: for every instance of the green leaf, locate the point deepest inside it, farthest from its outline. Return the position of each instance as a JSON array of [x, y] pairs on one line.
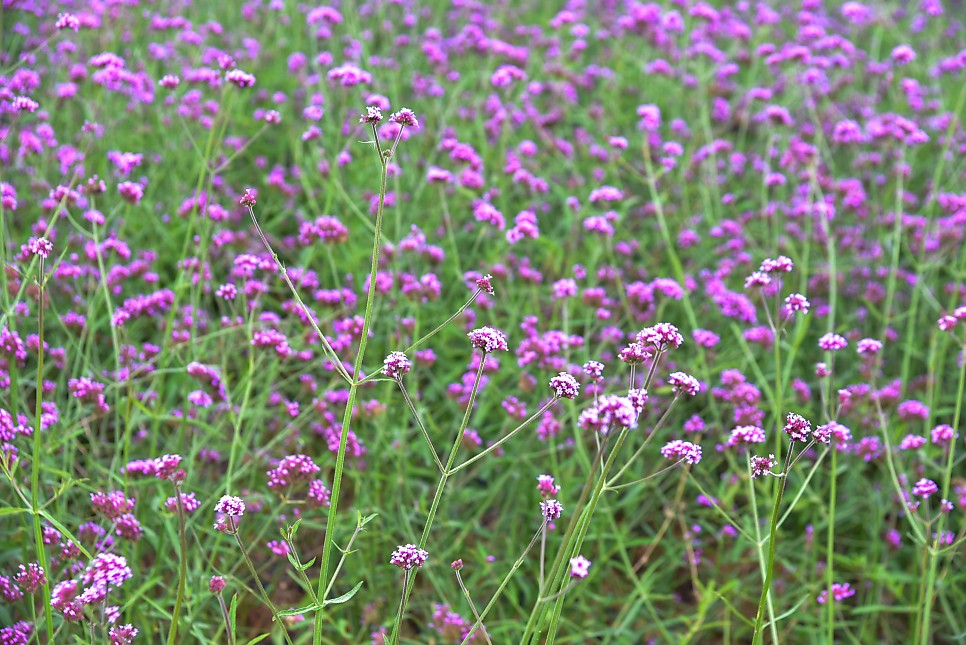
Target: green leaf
[[344, 597], [258, 639], [231, 613], [315, 606], [11, 510]]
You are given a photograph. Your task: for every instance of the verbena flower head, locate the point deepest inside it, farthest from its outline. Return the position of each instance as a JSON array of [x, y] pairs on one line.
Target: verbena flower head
[[781, 264], [832, 342], [924, 488], [797, 302], [761, 466], [488, 339], [839, 593], [408, 557], [662, 336], [372, 116], [797, 427], [546, 486], [746, 435], [565, 386], [216, 584], [611, 412], [396, 365], [248, 199], [635, 354], [682, 450], [579, 567], [230, 506], [40, 247], [682, 383], [551, 509], [406, 117], [869, 346], [594, 370], [239, 78], [484, 283]]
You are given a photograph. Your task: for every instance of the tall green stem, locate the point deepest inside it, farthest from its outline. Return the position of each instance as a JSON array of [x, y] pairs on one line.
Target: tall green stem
[[35, 460], [347, 416]]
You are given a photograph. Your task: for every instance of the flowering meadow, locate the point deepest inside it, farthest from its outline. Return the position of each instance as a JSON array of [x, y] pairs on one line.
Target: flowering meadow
[[439, 322]]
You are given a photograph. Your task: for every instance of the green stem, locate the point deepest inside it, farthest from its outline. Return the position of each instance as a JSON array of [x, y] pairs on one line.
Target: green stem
[[933, 553], [443, 478], [770, 570], [347, 416], [258, 582], [35, 506], [182, 568], [503, 584]]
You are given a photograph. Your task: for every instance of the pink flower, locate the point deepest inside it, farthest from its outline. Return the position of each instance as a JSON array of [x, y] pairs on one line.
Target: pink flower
[[408, 557], [579, 567]]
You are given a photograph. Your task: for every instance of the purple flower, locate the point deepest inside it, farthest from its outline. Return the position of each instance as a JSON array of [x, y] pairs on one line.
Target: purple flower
[[662, 336], [761, 466], [797, 427], [832, 342], [551, 509], [40, 247], [488, 339], [405, 116], [579, 567], [839, 592], [372, 116], [746, 435], [546, 486], [484, 284], [924, 488], [685, 450], [408, 557], [797, 302], [396, 365], [683, 383], [239, 78], [565, 386], [610, 412], [868, 346], [230, 506]]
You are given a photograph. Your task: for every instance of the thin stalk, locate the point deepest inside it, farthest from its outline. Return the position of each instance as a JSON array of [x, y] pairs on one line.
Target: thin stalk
[[476, 614], [770, 569], [505, 438], [353, 390], [35, 459], [933, 552], [434, 506], [503, 584], [422, 427], [182, 568], [258, 582]]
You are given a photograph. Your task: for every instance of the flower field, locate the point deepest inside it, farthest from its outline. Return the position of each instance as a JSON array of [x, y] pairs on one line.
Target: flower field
[[482, 322]]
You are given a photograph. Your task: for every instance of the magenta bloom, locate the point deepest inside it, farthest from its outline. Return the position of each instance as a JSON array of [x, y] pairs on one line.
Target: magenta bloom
[[405, 116], [797, 427], [551, 509], [488, 339], [839, 593], [372, 116], [408, 557], [230, 506], [924, 488], [579, 567], [546, 486], [396, 365], [683, 383], [761, 466], [40, 247], [565, 386], [682, 450]]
